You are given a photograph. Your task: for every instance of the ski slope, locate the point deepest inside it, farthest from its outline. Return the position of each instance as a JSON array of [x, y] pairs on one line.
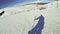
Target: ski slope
[[20, 19]]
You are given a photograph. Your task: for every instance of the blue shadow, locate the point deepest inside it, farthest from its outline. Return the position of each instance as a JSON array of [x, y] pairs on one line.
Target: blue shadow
[[38, 28]]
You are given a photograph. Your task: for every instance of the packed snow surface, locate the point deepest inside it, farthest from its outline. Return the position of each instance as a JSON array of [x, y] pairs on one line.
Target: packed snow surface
[[20, 19]]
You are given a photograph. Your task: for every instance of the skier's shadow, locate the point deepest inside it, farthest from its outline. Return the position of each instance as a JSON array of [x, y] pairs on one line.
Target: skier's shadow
[[38, 28]]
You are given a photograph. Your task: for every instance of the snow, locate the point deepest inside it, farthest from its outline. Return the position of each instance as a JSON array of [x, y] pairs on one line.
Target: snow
[[54, 4], [20, 19]]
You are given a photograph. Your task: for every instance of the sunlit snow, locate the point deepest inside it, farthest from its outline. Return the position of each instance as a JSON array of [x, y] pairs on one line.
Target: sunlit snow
[[20, 19]]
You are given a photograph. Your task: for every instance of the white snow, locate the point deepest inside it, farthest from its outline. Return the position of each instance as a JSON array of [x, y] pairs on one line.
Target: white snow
[[20, 19]]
